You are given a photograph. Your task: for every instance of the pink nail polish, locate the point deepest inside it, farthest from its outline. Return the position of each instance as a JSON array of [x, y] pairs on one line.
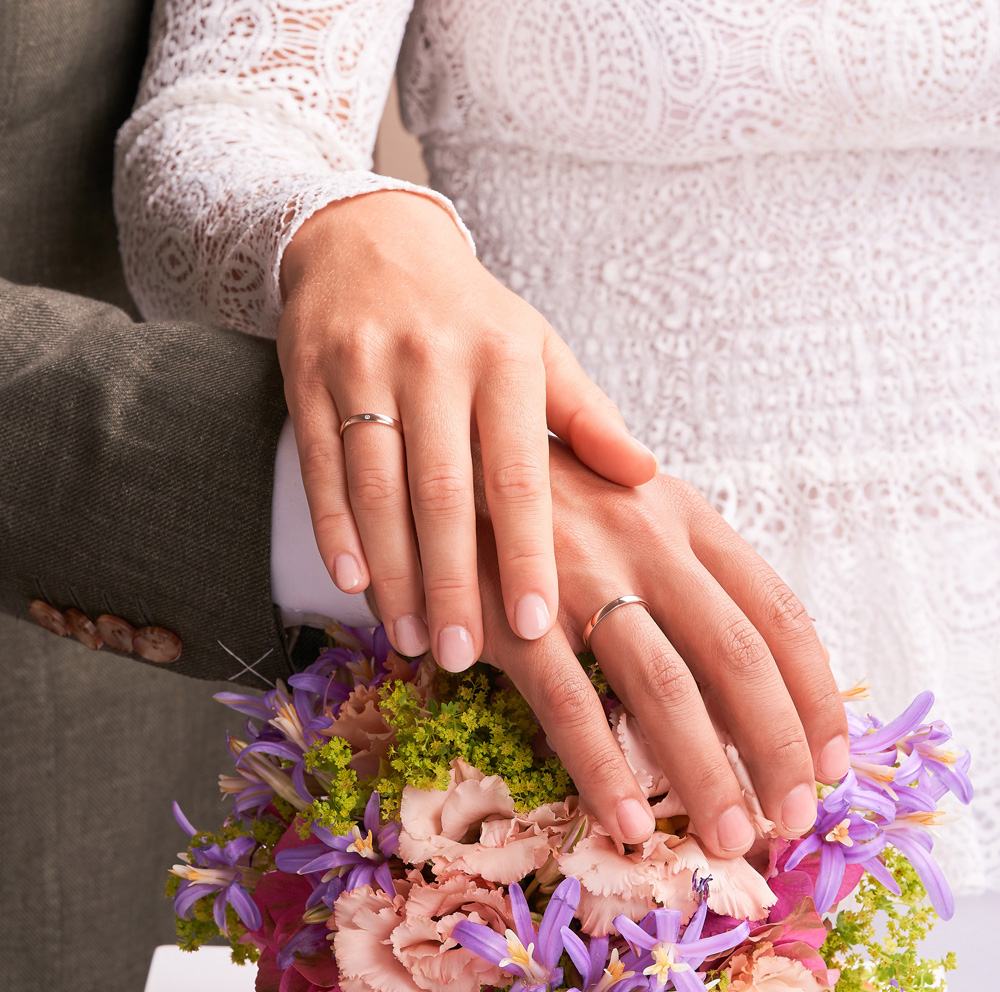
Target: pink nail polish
[[346, 572], [734, 830], [634, 819], [531, 616], [411, 635], [456, 650]]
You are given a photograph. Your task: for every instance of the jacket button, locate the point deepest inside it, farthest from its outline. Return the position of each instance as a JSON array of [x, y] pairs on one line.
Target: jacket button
[[49, 617], [156, 644], [115, 632], [82, 629]]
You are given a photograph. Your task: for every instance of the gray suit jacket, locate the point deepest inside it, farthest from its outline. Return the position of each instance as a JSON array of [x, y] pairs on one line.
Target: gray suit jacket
[[135, 478]]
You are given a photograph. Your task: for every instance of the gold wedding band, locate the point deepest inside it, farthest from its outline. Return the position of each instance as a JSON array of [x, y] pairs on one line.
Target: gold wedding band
[[610, 608], [370, 418]]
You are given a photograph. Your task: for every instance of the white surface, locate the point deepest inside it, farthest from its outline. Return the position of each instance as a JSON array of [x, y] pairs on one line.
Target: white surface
[[972, 929], [207, 970]]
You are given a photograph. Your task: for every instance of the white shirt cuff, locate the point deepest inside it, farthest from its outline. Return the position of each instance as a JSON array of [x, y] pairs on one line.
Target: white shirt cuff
[[301, 586]]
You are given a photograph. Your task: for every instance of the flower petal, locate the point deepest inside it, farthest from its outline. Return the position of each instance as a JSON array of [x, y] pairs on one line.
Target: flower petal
[[487, 943], [246, 908]]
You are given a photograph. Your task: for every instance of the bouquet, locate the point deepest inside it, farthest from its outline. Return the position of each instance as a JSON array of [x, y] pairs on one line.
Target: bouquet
[[395, 828]]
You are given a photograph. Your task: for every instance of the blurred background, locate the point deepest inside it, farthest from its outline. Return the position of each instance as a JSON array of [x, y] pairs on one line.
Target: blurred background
[[396, 152]]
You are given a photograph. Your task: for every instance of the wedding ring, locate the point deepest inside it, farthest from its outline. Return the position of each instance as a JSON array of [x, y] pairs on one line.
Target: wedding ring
[[370, 418], [610, 608]]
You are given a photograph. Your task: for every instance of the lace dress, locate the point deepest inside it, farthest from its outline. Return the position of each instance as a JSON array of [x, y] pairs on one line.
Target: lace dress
[[770, 231]]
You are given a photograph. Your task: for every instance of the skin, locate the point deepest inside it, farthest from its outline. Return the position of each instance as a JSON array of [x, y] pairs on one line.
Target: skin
[[388, 311], [423, 333], [725, 635]]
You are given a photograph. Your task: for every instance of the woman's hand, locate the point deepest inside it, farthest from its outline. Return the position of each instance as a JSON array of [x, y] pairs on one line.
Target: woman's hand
[[388, 311], [725, 635]]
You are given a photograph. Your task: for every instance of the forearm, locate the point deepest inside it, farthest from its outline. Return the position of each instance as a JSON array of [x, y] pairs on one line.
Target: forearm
[[136, 475], [221, 162]]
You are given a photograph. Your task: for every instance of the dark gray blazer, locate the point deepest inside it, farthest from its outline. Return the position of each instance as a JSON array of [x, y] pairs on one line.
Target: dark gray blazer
[[135, 479]]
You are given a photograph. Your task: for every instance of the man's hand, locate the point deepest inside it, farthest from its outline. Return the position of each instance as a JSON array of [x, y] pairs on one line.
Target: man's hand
[[725, 635]]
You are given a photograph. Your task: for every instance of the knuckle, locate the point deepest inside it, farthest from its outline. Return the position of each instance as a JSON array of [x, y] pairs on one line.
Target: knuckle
[[787, 614], [440, 489], [666, 680], [518, 479], [714, 779], [524, 554], [788, 749], [333, 523], [393, 586], [601, 767], [374, 488], [447, 587], [316, 460], [569, 698], [740, 648]]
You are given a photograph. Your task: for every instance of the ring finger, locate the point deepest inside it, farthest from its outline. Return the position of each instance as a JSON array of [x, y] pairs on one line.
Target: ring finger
[[660, 692], [736, 672], [375, 460]]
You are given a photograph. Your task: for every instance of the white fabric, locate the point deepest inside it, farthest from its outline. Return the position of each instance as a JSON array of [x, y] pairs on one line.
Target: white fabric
[[770, 230], [301, 586]]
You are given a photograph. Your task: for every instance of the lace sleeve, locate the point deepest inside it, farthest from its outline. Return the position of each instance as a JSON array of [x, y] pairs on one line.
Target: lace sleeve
[[251, 115]]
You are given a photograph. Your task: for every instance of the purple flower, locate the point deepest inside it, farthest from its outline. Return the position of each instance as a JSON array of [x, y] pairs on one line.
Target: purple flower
[[530, 956], [217, 870], [842, 836], [597, 973], [659, 955], [360, 859]]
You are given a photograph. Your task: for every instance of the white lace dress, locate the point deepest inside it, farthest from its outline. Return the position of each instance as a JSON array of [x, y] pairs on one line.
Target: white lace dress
[[770, 229]]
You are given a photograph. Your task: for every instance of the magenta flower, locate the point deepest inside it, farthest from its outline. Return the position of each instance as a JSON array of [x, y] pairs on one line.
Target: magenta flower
[[657, 953], [360, 859], [217, 870], [531, 956]]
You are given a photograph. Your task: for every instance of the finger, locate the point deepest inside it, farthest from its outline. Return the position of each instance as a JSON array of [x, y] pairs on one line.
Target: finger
[[734, 667], [548, 675], [439, 464], [784, 624], [510, 416], [583, 415], [376, 477], [324, 478], [659, 691]]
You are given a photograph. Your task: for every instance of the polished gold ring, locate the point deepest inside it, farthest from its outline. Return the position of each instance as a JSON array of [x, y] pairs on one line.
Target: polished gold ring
[[610, 608], [371, 418]]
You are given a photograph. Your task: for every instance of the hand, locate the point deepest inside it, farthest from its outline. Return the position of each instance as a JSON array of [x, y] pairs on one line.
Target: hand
[[725, 636], [388, 311]]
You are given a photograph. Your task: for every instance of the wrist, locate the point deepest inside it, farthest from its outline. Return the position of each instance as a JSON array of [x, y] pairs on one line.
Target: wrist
[[374, 223]]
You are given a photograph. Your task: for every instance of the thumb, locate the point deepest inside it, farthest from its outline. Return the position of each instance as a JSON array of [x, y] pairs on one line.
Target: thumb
[[583, 415]]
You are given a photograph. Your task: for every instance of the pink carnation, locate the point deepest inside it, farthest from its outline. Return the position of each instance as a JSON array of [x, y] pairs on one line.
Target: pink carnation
[[472, 827], [661, 872], [763, 970], [403, 944]]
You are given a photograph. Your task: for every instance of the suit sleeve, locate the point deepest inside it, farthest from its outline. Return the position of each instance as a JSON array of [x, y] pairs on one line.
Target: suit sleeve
[[136, 472]]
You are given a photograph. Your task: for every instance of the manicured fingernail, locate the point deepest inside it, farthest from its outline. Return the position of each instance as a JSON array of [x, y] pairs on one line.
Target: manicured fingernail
[[798, 811], [735, 832], [635, 820], [456, 650], [531, 616], [411, 635], [835, 760], [346, 572]]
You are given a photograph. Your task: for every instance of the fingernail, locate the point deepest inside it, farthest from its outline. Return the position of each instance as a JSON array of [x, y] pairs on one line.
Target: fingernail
[[648, 451], [456, 651], [798, 811], [735, 832], [411, 635], [634, 819], [346, 572], [835, 760], [531, 616]]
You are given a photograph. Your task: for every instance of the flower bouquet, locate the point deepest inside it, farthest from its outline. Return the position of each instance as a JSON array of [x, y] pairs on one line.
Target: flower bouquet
[[395, 828]]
